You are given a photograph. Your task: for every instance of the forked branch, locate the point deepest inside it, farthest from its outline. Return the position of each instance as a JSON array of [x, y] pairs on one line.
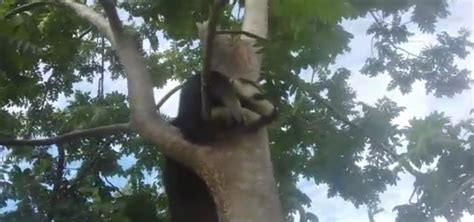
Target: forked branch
[[91, 16], [144, 118]]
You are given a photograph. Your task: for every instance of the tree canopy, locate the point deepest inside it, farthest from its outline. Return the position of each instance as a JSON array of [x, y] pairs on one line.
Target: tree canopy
[[322, 134]]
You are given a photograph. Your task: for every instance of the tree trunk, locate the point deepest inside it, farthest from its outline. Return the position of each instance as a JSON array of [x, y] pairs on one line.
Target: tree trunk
[[240, 177]]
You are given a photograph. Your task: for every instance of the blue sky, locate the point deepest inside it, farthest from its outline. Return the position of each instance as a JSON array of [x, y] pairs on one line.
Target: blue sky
[[417, 104]]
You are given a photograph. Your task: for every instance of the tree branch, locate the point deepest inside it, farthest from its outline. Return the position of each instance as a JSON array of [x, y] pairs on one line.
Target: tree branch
[[85, 32], [77, 134], [238, 32], [211, 32], [57, 182], [144, 118], [111, 12], [168, 95]]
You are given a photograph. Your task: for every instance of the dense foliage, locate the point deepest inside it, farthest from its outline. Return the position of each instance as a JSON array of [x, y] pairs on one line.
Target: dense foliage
[[322, 134]]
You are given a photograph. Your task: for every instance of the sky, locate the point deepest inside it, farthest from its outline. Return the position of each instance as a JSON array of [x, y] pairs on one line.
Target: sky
[[368, 90]]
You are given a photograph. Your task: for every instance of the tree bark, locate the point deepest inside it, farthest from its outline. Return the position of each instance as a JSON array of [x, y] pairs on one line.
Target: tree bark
[[240, 177]]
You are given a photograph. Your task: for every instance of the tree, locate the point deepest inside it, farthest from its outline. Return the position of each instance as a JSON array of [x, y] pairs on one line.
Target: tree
[[321, 134]]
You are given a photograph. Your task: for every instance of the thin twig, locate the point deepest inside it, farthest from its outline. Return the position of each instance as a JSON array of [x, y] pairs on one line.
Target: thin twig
[[301, 212], [113, 186], [27, 7], [238, 13], [77, 134], [205, 76], [412, 195], [100, 87], [379, 23], [313, 74], [89, 166], [86, 32], [168, 95], [373, 210]]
